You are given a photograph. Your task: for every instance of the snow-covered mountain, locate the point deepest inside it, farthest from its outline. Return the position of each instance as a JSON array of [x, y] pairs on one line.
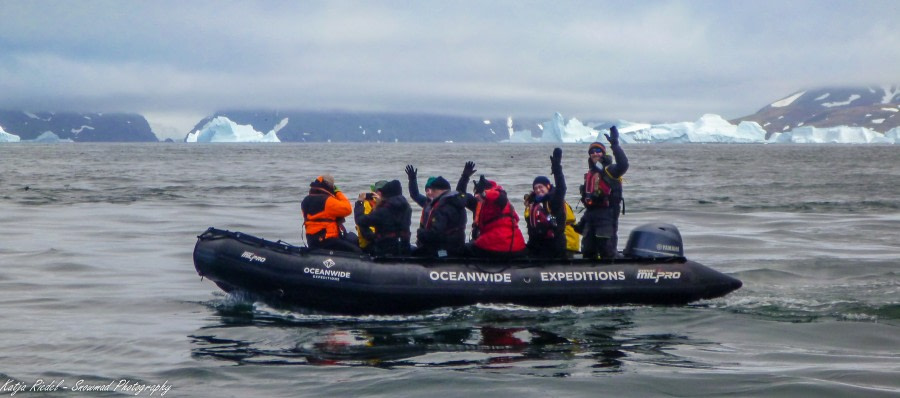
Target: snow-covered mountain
[[341, 126], [875, 108], [80, 127]]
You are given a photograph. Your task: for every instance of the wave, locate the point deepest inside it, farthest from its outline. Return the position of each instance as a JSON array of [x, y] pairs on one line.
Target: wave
[[863, 206]]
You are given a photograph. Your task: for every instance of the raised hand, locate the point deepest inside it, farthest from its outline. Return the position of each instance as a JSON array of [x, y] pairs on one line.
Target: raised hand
[[556, 158], [613, 136], [411, 172], [469, 169]]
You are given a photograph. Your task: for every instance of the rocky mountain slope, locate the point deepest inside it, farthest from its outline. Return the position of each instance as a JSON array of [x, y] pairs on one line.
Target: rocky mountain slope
[[876, 108], [79, 127], [338, 126]]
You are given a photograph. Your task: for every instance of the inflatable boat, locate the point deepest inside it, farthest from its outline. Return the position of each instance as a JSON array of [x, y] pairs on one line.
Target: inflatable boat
[[651, 270]]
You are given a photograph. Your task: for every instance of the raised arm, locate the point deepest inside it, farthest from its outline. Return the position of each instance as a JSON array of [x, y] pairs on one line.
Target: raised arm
[[621, 166], [559, 179], [414, 194], [468, 172]]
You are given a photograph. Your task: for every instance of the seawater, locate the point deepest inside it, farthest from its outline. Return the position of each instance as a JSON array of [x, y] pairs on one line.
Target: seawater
[[98, 289]]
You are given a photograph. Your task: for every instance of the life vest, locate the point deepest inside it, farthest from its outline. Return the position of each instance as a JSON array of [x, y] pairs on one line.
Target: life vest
[[435, 204], [426, 213], [323, 214], [540, 219], [598, 189], [573, 239]]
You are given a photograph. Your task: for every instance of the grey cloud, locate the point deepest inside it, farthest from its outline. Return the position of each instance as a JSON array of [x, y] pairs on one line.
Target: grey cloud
[[643, 61]]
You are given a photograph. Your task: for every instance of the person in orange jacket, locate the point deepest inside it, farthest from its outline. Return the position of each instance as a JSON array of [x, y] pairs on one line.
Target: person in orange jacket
[[324, 210]]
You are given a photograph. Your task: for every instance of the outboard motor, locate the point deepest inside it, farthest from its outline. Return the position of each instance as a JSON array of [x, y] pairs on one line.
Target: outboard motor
[[656, 240]]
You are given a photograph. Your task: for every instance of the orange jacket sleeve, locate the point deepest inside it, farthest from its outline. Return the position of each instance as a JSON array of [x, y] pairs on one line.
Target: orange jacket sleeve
[[338, 206]]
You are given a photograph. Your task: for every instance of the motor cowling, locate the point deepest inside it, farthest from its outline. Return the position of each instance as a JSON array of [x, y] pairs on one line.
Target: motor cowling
[[656, 240]]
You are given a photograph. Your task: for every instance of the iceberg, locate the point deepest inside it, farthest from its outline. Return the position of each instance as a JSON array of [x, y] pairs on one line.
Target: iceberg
[[709, 128], [573, 131], [49, 136], [893, 135], [835, 135], [222, 129], [7, 137], [521, 137]]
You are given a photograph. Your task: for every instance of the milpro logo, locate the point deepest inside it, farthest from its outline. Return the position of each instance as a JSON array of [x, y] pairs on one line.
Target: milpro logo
[[253, 257], [654, 275], [328, 263]]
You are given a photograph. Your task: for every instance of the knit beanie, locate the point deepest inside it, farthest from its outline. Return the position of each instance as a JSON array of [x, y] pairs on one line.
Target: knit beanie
[[429, 182], [323, 181], [438, 183], [597, 145], [541, 180]]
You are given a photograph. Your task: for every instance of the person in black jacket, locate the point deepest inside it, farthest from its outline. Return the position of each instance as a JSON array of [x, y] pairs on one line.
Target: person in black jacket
[[390, 218], [426, 200], [601, 195], [442, 230], [545, 212]]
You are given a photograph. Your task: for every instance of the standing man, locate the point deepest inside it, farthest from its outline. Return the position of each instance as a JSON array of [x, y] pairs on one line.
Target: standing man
[[601, 195]]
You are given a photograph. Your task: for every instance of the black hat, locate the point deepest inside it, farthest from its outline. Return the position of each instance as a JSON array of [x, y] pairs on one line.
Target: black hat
[[391, 189]]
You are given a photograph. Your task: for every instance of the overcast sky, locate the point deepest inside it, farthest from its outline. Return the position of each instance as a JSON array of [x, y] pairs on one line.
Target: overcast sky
[[646, 61]]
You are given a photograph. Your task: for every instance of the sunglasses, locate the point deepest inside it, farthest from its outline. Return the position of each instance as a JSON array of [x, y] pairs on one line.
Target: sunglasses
[[600, 151]]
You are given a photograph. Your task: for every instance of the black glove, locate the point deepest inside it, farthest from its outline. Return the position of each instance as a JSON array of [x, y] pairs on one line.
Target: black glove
[[613, 136], [411, 172], [481, 185], [469, 170], [556, 158]]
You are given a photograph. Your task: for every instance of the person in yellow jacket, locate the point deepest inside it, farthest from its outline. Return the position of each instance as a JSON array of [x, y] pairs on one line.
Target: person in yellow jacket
[[573, 238], [549, 218], [369, 200], [324, 210]]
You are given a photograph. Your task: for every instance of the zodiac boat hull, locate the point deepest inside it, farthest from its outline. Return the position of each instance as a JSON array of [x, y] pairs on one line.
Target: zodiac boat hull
[[348, 283]]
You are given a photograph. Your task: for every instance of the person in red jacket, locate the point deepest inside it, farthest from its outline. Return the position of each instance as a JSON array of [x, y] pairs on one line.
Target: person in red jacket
[[324, 210], [495, 226]]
